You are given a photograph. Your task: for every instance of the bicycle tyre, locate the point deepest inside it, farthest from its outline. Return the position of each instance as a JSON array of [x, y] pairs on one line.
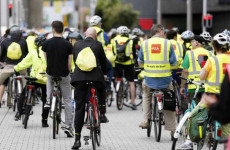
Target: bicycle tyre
[[174, 144], [149, 128], [178, 101], [55, 120], [98, 129], [59, 110], [157, 123], [110, 98], [92, 130], [119, 97], [140, 99], [27, 114], [215, 145]]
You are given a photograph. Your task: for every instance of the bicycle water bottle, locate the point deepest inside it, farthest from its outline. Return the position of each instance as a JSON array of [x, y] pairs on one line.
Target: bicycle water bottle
[[73, 106]]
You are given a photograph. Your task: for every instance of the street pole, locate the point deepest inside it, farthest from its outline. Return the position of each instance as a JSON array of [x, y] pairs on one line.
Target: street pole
[[159, 13], [14, 12], [81, 17], [7, 14], [189, 15], [204, 13], [0, 19]]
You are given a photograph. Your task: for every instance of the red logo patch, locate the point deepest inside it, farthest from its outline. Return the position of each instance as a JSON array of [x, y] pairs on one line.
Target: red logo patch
[[156, 48]]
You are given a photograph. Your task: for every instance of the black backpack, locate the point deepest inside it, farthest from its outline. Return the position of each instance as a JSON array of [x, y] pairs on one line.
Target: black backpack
[[121, 56]]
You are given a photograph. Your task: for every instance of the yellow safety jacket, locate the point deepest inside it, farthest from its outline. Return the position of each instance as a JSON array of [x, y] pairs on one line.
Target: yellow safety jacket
[[194, 66], [178, 49], [179, 39], [216, 76], [38, 65], [156, 57], [100, 36], [30, 43], [128, 51], [109, 54]]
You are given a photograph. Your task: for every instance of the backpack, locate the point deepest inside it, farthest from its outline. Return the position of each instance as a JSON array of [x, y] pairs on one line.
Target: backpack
[[121, 56], [86, 60], [198, 115], [14, 51]]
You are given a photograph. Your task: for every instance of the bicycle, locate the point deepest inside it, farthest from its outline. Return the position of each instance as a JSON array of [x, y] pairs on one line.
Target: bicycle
[[30, 95], [138, 86], [109, 95], [93, 119], [56, 105], [176, 89], [157, 114], [213, 130], [15, 86]]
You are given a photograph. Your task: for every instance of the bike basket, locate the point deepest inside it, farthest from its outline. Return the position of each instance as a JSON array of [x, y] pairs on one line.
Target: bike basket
[[197, 123], [169, 100]]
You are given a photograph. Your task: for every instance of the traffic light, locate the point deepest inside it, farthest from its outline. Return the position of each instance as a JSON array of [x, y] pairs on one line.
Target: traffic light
[[207, 21], [10, 10]]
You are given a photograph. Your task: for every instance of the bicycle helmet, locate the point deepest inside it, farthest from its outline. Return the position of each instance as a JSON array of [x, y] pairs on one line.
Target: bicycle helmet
[[207, 37], [221, 39], [187, 35], [124, 30], [95, 20], [15, 30], [75, 35], [39, 41], [227, 32], [136, 31]]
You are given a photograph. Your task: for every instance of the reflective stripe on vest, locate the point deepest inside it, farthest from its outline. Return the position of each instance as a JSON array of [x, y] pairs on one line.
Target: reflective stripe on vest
[[180, 55], [193, 65], [217, 83], [129, 49]]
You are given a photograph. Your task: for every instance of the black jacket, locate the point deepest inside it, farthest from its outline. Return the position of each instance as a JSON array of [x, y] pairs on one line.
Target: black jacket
[[97, 74]]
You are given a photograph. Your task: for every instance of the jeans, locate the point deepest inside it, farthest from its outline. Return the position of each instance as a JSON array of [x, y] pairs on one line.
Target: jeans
[[66, 93]]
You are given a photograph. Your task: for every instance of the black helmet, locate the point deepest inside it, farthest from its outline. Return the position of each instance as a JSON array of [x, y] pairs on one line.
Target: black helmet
[[75, 35], [39, 41], [15, 33]]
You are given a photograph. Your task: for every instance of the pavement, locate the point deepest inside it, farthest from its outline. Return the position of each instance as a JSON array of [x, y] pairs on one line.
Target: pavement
[[121, 133]]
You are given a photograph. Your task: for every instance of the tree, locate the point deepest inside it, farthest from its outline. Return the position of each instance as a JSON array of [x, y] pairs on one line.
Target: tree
[[114, 14]]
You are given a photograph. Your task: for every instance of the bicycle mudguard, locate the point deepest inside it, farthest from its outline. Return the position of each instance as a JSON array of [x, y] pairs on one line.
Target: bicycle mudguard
[[181, 123]]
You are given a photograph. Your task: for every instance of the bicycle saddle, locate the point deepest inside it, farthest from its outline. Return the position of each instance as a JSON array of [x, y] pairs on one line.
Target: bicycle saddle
[[30, 78]]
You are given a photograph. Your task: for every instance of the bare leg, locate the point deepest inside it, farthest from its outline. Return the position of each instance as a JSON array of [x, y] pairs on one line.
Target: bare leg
[[132, 90]]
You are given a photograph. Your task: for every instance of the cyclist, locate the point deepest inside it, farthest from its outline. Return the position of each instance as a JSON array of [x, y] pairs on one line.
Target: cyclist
[[207, 41], [178, 49], [157, 55], [214, 71], [125, 60], [36, 60], [58, 54], [13, 50], [193, 62], [30, 41], [179, 39], [80, 78], [187, 36], [137, 41]]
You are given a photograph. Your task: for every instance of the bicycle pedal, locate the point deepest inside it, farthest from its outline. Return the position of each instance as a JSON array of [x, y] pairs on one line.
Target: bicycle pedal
[[86, 139]]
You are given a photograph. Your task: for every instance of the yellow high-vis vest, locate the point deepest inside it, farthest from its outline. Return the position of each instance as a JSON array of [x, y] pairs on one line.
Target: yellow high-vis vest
[[178, 49], [128, 51], [216, 76], [156, 57], [194, 66], [100, 36]]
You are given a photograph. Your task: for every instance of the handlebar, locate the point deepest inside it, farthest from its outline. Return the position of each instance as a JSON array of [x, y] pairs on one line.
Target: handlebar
[[191, 81]]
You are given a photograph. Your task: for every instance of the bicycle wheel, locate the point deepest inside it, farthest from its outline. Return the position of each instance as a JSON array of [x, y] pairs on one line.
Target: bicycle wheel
[[27, 114], [181, 138], [157, 117], [120, 101], [13, 93], [139, 93], [58, 115], [98, 129], [92, 129], [55, 120], [149, 128], [109, 98]]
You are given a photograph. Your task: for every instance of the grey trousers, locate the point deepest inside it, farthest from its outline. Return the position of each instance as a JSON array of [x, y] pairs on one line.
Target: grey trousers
[[66, 94], [169, 116]]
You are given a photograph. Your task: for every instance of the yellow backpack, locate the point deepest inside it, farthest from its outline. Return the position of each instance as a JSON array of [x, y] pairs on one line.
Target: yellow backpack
[[86, 60], [14, 51]]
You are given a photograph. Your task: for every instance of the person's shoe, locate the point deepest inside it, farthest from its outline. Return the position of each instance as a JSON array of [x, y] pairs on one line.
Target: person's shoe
[[47, 104], [172, 135], [133, 106], [69, 131], [44, 123], [17, 116], [187, 145], [77, 143], [144, 125], [103, 118]]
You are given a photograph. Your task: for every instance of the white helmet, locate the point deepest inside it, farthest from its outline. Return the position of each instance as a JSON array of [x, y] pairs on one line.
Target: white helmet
[[221, 39], [206, 36], [124, 30], [136, 31], [187, 35], [94, 20]]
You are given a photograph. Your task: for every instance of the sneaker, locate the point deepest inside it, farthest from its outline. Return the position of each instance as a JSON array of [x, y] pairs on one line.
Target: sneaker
[[144, 125], [187, 145], [44, 123], [103, 118], [47, 104], [69, 131], [17, 117], [133, 106], [77, 143]]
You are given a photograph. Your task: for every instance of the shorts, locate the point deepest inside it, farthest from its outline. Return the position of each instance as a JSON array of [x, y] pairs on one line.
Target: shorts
[[128, 72]]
